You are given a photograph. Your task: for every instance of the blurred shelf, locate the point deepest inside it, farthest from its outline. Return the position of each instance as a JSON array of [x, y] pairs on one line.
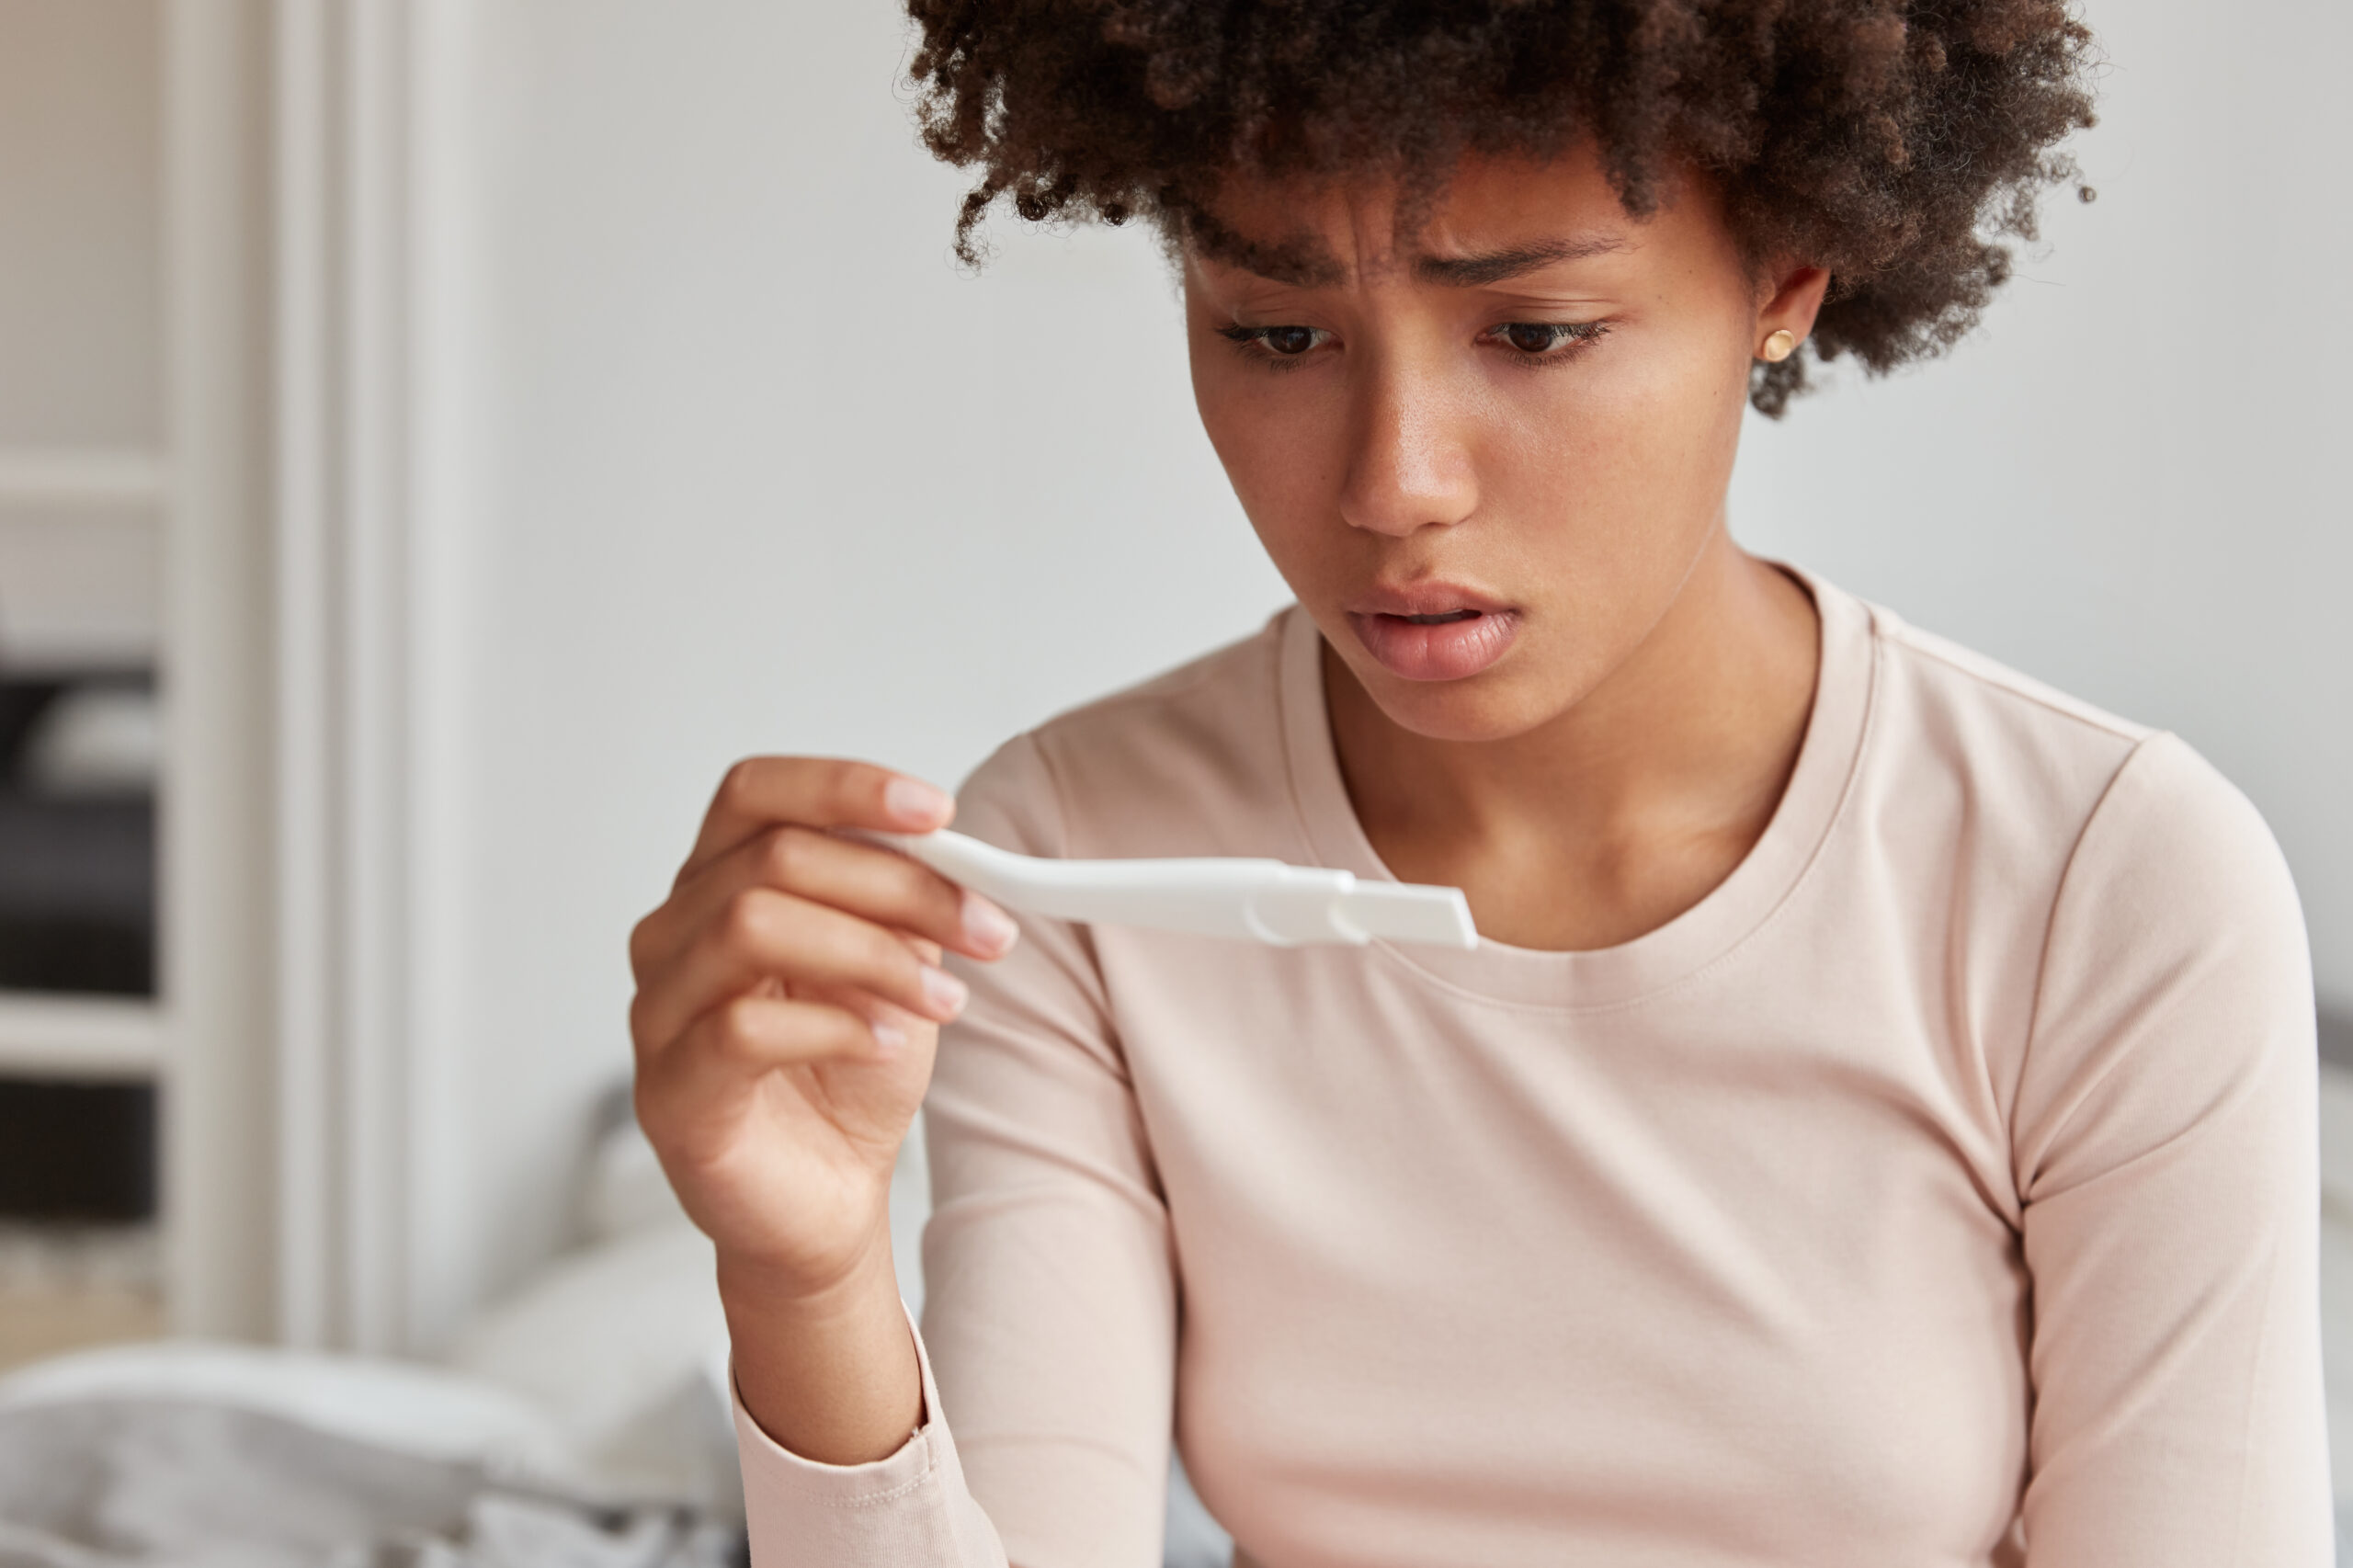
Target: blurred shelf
[[78, 1037], [66, 476]]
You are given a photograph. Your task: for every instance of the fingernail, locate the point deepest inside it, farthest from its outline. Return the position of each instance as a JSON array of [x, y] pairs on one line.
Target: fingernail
[[991, 928], [914, 803], [943, 991], [889, 1037]]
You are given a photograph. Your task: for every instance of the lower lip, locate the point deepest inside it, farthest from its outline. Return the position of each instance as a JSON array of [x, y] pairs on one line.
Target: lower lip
[[1448, 650]]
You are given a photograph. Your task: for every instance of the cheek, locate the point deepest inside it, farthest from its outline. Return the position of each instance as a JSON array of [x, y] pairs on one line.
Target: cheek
[[1281, 445], [1626, 455]]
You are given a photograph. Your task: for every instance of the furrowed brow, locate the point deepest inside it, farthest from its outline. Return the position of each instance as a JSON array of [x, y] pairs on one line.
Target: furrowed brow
[[1295, 266], [1499, 266]]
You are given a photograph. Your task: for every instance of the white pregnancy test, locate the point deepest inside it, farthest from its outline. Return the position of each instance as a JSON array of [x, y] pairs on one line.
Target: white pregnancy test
[[1266, 900]]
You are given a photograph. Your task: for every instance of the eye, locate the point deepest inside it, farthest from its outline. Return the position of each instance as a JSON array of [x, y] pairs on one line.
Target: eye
[[1546, 340], [1277, 342]]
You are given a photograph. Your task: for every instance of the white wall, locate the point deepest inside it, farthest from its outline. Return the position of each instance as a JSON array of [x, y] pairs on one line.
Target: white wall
[[759, 469], [80, 225], [753, 467], [81, 332]]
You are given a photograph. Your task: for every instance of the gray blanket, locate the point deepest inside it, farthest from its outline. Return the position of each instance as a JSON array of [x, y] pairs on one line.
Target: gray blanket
[[106, 1483]]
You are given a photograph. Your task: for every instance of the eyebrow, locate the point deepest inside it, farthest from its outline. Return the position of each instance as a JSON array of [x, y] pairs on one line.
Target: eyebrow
[[1297, 265], [1497, 266], [1305, 263]]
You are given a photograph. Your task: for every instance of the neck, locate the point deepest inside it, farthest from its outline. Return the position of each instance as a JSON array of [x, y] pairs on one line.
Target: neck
[[1640, 798]]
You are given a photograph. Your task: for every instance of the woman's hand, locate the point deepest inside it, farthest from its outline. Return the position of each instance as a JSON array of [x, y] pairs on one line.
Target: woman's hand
[[788, 1007]]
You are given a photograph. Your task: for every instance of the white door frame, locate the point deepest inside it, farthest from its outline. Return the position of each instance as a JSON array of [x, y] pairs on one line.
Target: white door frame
[[357, 485], [214, 844]]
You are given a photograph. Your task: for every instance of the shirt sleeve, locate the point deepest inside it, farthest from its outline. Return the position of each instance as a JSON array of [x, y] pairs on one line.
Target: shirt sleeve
[[1050, 1294], [2165, 1142], [1049, 1288]]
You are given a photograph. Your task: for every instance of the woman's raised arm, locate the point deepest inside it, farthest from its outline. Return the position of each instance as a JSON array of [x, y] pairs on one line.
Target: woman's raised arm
[[1052, 1292]]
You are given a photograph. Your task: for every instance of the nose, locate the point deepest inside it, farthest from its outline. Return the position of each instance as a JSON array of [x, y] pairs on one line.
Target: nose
[[1409, 466]]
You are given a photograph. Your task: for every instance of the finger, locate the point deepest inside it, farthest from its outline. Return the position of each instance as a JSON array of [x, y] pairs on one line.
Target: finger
[[876, 884], [748, 1036], [892, 1025], [760, 933], [762, 792]]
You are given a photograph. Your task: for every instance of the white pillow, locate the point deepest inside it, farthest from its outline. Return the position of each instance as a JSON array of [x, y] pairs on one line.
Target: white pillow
[[622, 1342], [623, 1347], [395, 1405]]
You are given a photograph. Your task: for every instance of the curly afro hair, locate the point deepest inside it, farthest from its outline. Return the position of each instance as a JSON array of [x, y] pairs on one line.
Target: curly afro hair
[[1895, 142]]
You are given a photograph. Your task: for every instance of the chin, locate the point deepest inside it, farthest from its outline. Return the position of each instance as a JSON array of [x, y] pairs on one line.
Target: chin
[[1481, 708]]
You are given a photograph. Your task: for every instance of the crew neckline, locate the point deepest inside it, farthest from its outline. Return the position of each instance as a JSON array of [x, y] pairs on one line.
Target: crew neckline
[[1661, 959]]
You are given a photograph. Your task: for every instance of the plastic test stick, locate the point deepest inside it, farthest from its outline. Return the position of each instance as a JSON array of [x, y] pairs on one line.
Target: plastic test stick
[[1265, 901]]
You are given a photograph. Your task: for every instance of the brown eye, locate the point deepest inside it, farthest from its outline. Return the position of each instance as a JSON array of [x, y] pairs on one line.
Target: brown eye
[[1549, 342], [1266, 344]]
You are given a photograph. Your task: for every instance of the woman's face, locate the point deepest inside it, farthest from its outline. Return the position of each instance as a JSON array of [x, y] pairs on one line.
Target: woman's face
[[1487, 457]]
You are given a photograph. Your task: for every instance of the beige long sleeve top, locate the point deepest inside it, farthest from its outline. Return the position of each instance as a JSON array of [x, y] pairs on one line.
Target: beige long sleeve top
[[1940, 1190]]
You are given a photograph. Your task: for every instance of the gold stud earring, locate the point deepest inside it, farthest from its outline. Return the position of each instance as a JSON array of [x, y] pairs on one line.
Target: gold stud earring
[[1779, 346]]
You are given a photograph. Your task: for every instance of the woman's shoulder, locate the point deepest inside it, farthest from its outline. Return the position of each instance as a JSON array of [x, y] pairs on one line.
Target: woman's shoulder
[[2132, 895], [2150, 857], [1963, 752], [1186, 761], [1954, 689], [2019, 748], [2175, 982]]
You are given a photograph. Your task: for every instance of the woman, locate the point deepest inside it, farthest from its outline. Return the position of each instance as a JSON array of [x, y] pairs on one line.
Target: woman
[[1877, 1126]]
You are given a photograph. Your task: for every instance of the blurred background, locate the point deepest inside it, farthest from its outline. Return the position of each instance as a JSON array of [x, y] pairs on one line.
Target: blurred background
[[435, 438]]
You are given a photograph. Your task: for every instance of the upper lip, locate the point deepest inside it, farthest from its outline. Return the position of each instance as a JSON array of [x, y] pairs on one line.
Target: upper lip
[[1424, 598]]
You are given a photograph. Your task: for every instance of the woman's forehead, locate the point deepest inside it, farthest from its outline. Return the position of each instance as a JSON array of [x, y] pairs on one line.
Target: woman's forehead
[[1491, 220]]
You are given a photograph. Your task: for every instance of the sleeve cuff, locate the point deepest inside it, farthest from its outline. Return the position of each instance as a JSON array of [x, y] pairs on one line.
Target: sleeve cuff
[[780, 1474], [910, 1508]]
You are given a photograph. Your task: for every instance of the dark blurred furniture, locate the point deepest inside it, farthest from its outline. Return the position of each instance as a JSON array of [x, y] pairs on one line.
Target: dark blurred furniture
[[77, 1152], [77, 873]]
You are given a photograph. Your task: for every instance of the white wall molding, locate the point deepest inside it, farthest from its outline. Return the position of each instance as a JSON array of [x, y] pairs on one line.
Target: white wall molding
[[354, 986], [212, 486]]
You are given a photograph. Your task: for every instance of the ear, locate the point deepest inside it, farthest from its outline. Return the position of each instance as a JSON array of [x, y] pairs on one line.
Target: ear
[[1795, 301]]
